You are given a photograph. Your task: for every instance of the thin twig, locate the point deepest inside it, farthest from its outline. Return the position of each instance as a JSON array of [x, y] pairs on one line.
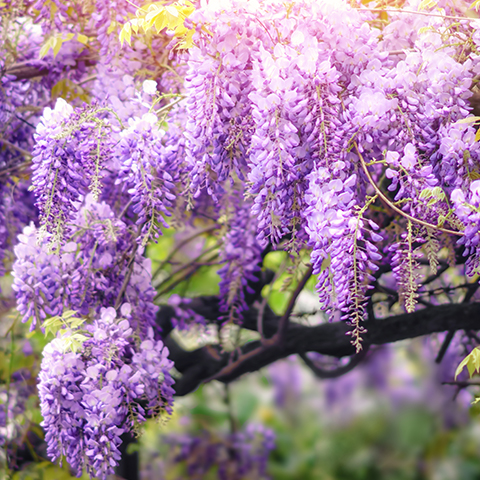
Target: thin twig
[[434, 276], [187, 265], [242, 358], [169, 105], [263, 305], [414, 12], [87, 79], [337, 372], [443, 349], [395, 208], [126, 280], [180, 246], [194, 268], [18, 149], [283, 323], [462, 384]]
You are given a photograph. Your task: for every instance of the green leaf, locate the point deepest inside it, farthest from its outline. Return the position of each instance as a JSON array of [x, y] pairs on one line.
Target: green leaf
[[82, 38], [68, 314], [424, 30], [426, 193], [49, 44], [126, 34], [58, 42]]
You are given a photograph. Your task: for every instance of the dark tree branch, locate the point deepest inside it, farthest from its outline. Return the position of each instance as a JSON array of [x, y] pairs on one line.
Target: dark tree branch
[[22, 71], [25, 70], [443, 349], [336, 372], [209, 362]]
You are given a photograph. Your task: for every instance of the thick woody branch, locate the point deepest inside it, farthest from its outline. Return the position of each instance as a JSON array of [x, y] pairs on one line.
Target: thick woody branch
[[25, 70], [205, 363]]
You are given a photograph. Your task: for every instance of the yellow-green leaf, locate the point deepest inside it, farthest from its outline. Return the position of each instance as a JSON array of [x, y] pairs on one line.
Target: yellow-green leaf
[[172, 10], [424, 30], [477, 136], [126, 34], [112, 27], [161, 22], [475, 5], [462, 365], [50, 43], [58, 42], [471, 361], [469, 119], [427, 4], [82, 38], [187, 42], [136, 23]]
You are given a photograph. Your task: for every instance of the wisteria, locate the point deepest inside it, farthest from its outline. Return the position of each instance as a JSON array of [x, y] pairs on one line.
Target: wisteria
[[236, 455], [242, 254], [86, 274], [91, 396], [68, 159], [145, 172], [236, 148]]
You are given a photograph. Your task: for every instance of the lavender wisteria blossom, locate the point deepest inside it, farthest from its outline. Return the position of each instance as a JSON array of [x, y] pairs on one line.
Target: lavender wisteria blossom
[[145, 172], [236, 455], [69, 156], [157, 162], [91, 396], [87, 274]]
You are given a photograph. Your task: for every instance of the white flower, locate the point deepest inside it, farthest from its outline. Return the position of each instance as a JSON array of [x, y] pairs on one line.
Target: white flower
[[150, 87]]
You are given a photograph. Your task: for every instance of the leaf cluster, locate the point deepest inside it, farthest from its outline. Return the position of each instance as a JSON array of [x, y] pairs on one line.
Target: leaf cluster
[[161, 17]]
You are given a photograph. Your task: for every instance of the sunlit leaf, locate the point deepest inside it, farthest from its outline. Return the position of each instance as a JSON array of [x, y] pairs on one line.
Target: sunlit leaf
[[475, 5], [471, 119], [427, 4], [471, 361], [112, 27], [424, 30], [126, 34], [82, 38]]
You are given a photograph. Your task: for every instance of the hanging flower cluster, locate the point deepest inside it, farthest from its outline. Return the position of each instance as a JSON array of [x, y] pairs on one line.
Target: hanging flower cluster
[[70, 150], [91, 396], [88, 273]]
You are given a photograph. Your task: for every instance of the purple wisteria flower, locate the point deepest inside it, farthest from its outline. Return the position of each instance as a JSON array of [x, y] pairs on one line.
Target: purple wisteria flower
[[89, 397], [146, 171], [467, 208], [87, 273], [243, 454], [70, 150], [241, 253]]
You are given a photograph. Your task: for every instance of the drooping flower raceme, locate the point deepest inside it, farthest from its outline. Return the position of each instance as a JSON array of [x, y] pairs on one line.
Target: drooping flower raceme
[[91, 396], [70, 149], [242, 253], [467, 208], [145, 171], [86, 274]]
